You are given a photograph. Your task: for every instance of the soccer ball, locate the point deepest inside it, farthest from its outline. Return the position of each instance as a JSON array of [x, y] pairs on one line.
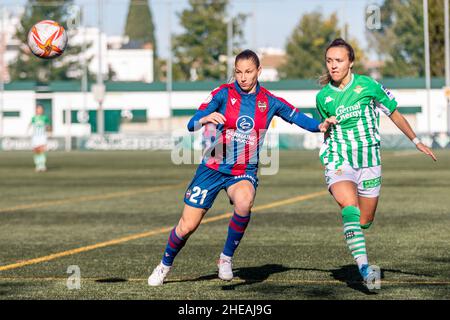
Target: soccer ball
[[47, 39]]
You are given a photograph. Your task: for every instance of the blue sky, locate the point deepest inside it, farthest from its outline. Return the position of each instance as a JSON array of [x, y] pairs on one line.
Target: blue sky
[[270, 26]]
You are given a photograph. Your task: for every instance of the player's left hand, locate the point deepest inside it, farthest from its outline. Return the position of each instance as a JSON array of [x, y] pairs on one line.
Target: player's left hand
[[323, 127], [423, 148]]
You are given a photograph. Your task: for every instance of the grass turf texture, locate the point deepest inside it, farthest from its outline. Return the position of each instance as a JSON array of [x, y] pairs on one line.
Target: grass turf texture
[[292, 250]]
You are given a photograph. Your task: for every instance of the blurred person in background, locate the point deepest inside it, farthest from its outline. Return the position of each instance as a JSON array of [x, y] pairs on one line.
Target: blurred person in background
[[40, 124]]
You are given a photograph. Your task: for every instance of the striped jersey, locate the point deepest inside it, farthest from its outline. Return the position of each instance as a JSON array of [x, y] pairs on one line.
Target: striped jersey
[[235, 146], [355, 140], [39, 124]]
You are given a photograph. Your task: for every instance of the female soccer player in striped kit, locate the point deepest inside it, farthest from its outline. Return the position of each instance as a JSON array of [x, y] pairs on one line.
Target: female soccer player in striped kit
[[40, 125], [351, 149], [241, 112]]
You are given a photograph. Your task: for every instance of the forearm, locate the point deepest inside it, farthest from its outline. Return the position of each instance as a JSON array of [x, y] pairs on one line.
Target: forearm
[[194, 124], [402, 124], [306, 122]]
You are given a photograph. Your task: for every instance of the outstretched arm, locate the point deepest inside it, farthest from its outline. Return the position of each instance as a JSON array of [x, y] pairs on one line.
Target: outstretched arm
[[292, 115], [404, 126]]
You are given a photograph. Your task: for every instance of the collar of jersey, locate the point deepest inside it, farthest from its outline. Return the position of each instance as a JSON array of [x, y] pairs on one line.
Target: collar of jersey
[[241, 92], [344, 88]]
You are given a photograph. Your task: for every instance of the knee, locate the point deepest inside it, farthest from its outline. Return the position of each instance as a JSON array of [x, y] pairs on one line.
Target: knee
[[243, 205], [185, 228]]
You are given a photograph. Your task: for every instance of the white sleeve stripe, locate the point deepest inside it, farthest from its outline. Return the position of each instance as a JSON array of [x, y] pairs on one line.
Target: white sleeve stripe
[[292, 113], [383, 108]]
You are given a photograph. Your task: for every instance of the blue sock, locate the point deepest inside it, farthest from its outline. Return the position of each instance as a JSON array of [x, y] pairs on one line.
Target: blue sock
[[236, 230], [174, 245]]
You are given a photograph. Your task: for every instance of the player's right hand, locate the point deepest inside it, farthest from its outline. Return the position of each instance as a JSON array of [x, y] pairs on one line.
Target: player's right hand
[[215, 117], [325, 125], [423, 148]]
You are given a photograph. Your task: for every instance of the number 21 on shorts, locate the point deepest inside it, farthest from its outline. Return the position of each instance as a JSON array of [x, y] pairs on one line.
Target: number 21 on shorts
[[197, 191]]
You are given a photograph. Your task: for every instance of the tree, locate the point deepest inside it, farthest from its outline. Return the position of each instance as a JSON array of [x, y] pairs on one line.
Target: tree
[[29, 67], [400, 41], [200, 52], [306, 45], [140, 28]]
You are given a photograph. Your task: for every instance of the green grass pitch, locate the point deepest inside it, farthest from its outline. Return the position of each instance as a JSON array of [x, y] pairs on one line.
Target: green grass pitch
[[291, 250]]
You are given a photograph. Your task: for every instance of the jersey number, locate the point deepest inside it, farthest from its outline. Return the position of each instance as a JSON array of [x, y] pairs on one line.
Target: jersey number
[[197, 191]]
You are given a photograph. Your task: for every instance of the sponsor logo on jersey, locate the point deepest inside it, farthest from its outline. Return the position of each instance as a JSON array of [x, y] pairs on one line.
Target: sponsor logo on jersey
[[388, 93], [262, 106], [245, 124], [243, 134], [246, 176], [328, 99], [358, 89], [343, 112]]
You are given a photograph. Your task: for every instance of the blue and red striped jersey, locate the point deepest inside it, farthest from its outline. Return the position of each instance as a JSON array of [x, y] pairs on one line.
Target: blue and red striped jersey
[[235, 145]]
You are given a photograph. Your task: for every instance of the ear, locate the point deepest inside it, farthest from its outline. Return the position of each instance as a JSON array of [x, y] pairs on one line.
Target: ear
[[351, 65], [259, 71]]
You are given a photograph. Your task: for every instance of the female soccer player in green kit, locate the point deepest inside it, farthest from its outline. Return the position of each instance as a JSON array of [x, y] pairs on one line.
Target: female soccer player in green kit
[[351, 149], [40, 124]]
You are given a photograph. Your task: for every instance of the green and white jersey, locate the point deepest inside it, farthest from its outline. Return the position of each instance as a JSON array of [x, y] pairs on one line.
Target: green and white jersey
[[355, 139], [39, 124]]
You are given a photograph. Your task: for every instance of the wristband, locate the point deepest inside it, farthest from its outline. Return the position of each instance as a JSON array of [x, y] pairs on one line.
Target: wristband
[[416, 141]]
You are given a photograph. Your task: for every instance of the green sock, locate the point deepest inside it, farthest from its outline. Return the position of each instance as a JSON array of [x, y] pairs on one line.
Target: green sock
[[354, 235], [366, 225]]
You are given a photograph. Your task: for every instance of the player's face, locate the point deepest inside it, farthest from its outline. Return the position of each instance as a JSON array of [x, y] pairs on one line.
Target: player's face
[[246, 74], [338, 63], [39, 110]]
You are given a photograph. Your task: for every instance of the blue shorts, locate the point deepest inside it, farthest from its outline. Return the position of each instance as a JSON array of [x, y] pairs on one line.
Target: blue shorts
[[207, 183]]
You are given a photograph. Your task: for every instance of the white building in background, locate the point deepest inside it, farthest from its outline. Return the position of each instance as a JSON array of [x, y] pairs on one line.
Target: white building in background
[[9, 46], [126, 64], [271, 59]]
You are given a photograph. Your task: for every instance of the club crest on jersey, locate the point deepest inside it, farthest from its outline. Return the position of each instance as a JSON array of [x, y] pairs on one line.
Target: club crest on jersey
[[245, 124], [358, 89], [262, 106]]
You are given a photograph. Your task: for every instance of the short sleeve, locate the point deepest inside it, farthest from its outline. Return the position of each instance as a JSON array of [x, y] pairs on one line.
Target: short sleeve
[[384, 99]]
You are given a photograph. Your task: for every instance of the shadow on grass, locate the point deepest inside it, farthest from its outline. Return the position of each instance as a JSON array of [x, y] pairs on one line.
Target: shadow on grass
[[111, 280], [438, 259], [10, 288], [349, 274], [253, 275]]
